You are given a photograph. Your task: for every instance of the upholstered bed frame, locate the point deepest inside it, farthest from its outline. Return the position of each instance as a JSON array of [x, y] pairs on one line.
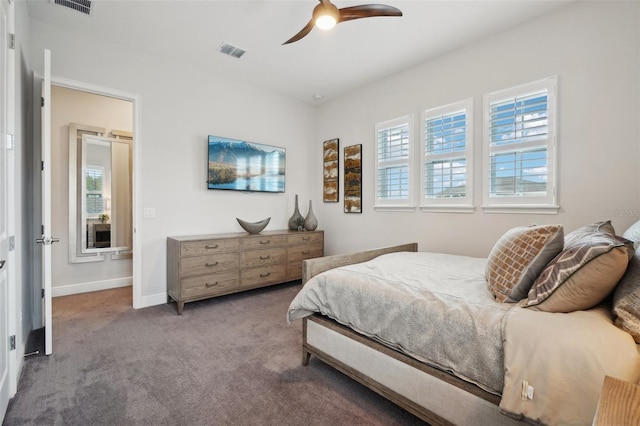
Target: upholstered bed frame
[[429, 393]]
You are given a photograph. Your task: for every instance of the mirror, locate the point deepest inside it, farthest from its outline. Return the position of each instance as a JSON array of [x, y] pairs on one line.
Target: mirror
[[100, 191]]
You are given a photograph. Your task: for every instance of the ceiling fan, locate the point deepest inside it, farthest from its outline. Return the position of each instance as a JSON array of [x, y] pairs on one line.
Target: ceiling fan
[[326, 15]]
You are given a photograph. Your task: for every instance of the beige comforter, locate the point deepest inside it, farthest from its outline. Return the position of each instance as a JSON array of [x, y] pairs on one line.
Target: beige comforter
[[549, 368], [555, 363], [434, 307]]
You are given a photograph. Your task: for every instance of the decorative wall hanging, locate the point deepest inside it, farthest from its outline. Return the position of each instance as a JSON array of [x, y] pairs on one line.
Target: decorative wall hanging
[[330, 170], [353, 179]]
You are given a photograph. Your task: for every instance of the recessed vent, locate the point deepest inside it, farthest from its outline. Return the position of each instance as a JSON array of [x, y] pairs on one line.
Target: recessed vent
[[227, 49], [82, 6]]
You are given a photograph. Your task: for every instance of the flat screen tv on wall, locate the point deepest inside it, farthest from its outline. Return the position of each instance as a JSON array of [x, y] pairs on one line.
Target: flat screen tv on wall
[[245, 166]]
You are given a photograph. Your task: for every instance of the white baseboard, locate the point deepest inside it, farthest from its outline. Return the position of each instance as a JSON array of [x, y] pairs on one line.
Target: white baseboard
[[66, 290]]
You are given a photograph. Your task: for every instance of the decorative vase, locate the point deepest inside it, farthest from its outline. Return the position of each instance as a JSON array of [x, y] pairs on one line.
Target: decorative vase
[[310, 222], [296, 222]]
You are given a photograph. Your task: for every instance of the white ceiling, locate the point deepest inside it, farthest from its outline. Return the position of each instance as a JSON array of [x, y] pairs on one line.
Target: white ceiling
[[330, 63]]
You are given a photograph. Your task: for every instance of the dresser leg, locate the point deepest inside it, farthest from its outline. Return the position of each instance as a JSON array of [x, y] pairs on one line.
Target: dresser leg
[[180, 307]]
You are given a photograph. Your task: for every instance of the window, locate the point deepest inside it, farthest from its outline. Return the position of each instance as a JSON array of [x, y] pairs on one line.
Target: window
[[520, 149], [447, 147], [394, 171], [94, 181]]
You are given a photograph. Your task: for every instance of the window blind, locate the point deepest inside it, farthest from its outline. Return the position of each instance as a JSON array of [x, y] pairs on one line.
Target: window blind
[[393, 161], [519, 119], [520, 148], [445, 138], [94, 181], [518, 131]]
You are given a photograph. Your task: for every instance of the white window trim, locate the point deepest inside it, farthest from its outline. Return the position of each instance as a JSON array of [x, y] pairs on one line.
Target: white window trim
[[449, 205], [538, 205], [397, 205]]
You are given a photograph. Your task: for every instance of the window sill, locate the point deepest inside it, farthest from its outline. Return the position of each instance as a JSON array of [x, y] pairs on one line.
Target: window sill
[[448, 209], [521, 209], [394, 208]]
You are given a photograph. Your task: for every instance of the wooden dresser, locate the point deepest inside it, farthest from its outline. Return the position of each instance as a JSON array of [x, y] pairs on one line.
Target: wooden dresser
[[204, 266]]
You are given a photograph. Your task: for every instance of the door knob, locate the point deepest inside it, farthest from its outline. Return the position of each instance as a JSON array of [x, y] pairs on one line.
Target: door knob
[[47, 241]]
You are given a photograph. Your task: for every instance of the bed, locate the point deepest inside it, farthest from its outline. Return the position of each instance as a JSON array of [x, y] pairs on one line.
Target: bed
[[473, 360]]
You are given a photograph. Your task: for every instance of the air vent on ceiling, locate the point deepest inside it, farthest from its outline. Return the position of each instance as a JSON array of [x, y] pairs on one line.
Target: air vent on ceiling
[[227, 49], [82, 6]]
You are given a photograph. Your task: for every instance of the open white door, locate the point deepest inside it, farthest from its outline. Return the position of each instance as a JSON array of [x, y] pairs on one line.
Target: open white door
[[46, 240], [4, 237]]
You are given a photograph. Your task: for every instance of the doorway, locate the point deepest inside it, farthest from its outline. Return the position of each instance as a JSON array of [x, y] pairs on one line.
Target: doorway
[[92, 162]]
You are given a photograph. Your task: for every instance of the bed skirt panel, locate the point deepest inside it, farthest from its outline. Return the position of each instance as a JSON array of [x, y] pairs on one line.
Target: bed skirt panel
[[417, 391]]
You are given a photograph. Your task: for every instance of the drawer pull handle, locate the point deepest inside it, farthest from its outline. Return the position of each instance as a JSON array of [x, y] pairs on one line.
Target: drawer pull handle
[[265, 275], [265, 242], [265, 257], [306, 251], [211, 246], [209, 285], [211, 264], [305, 238]]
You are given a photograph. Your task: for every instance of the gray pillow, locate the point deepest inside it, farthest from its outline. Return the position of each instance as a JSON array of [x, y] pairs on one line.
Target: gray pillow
[[582, 275], [626, 298], [633, 233], [576, 234]]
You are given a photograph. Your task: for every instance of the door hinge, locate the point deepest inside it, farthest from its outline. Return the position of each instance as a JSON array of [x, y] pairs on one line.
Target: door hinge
[[42, 165], [12, 243], [43, 293], [11, 142], [42, 229], [12, 41], [42, 101], [12, 343]]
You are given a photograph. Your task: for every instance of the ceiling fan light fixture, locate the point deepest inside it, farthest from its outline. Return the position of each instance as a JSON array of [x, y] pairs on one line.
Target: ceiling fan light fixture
[[325, 22], [325, 16]]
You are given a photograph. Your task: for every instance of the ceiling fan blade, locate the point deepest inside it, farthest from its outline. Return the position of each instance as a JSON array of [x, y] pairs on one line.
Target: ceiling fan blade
[[303, 32], [367, 11]]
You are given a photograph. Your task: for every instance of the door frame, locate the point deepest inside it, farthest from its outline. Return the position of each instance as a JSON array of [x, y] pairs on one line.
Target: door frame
[[11, 313], [136, 181]]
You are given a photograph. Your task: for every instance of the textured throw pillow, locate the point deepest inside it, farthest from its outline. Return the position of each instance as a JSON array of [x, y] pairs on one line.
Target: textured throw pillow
[[518, 257], [626, 299], [633, 233], [574, 235], [582, 275]]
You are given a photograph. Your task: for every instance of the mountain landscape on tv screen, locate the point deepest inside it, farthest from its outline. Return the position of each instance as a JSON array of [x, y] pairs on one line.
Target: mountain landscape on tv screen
[[245, 166]]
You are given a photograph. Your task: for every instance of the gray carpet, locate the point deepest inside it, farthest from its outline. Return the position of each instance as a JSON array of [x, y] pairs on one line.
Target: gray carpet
[[226, 361]]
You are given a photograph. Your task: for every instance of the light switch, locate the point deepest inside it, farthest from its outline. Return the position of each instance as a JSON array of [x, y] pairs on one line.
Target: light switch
[[149, 212]]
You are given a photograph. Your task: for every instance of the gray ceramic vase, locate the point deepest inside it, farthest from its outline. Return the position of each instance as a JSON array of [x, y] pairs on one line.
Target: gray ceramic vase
[[297, 220], [310, 222]]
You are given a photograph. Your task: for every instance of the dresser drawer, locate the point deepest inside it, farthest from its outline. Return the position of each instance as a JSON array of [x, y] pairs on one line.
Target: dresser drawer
[[210, 285], [200, 265], [255, 277], [304, 238], [198, 248], [309, 251], [263, 241], [254, 258]]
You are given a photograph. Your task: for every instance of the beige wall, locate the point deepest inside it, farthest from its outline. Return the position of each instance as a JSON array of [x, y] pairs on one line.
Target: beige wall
[[179, 106], [591, 46], [73, 106], [593, 49]]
